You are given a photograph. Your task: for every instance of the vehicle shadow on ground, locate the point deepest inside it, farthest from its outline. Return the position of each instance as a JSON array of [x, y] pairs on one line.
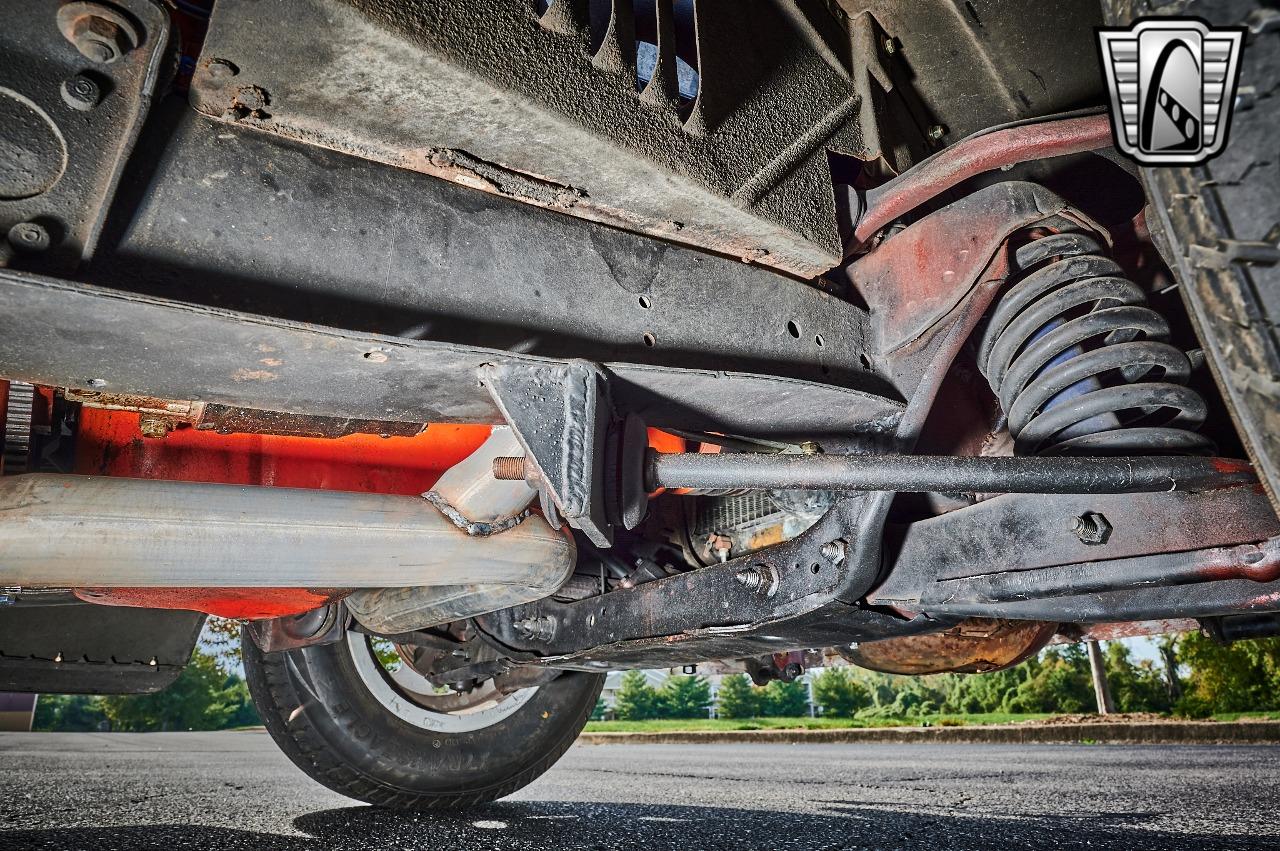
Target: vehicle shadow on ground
[[555, 825]]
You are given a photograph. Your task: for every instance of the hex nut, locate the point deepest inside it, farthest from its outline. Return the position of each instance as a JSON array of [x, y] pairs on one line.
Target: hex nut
[[101, 33], [1091, 528]]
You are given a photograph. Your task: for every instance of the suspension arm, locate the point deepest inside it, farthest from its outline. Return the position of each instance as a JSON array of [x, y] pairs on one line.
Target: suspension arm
[[943, 474]]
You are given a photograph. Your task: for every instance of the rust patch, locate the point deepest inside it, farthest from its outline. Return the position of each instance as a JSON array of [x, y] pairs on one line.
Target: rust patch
[[156, 414], [975, 155], [227, 419], [975, 646], [1072, 633], [173, 409]]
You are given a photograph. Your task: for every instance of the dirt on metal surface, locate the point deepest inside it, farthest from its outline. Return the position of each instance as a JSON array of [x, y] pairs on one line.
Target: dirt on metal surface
[[230, 419], [975, 646], [977, 154], [497, 97]]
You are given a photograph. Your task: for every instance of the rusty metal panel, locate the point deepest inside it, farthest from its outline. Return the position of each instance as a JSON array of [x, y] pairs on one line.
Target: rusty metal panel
[[70, 109], [1023, 534], [227, 217], [498, 97], [974, 646], [117, 342], [1072, 633]]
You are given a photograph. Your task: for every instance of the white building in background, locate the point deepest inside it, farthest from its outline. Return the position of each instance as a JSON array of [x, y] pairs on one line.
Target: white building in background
[[613, 682]]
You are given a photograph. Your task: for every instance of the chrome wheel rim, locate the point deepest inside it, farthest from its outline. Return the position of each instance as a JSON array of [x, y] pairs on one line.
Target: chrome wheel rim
[[411, 697]]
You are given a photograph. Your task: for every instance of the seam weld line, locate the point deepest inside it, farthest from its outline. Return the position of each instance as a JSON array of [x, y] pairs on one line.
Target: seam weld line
[[472, 528]]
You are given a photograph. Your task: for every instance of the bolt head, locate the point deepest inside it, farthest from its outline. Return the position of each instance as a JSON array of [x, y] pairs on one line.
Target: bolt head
[[97, 51], [936, 132], [29, 237], [81, 92]]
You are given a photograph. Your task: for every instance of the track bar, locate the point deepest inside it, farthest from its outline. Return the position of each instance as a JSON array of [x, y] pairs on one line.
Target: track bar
[[941, 473]]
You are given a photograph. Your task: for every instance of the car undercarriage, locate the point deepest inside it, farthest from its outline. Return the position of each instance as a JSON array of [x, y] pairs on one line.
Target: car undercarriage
[[541, 339]]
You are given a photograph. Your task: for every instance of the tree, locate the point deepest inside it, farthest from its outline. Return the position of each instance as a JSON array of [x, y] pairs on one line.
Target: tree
[[68, 713], [1060, 683], [221, 637], [243, 712], [839, 694], [1169, 653], [786, 700], [203, 697], [738, 698], [686, 697], [637, 700], [1135, 686], [1238, 677], [971, 694], [601, 708]]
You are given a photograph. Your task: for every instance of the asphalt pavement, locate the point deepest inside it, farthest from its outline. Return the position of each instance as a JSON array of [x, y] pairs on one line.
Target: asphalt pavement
[[234, 790]]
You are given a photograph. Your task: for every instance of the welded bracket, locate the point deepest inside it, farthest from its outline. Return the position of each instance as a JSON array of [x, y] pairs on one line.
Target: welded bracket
[[561, 414]]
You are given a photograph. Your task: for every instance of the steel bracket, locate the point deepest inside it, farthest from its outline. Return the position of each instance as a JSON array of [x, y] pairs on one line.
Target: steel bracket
[[562, 415]]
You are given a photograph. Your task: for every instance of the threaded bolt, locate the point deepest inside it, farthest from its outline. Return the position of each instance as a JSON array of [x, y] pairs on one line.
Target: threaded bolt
[[835, 551], [509, 468]]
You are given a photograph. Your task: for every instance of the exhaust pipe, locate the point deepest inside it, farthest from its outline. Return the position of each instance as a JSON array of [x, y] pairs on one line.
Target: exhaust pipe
[[473, 533], [476, 501]]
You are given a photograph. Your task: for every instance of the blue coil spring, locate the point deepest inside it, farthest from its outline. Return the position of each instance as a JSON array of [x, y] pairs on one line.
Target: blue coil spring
[[1081, 364]]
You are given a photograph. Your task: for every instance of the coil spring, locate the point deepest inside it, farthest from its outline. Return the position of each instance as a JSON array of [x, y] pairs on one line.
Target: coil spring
[[1080, 363]]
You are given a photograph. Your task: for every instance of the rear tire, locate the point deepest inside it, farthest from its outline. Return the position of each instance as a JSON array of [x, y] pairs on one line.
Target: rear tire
[[318, 706]]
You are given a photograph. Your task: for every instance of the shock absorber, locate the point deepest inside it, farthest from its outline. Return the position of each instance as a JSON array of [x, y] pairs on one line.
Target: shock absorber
[[1079, 361]]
